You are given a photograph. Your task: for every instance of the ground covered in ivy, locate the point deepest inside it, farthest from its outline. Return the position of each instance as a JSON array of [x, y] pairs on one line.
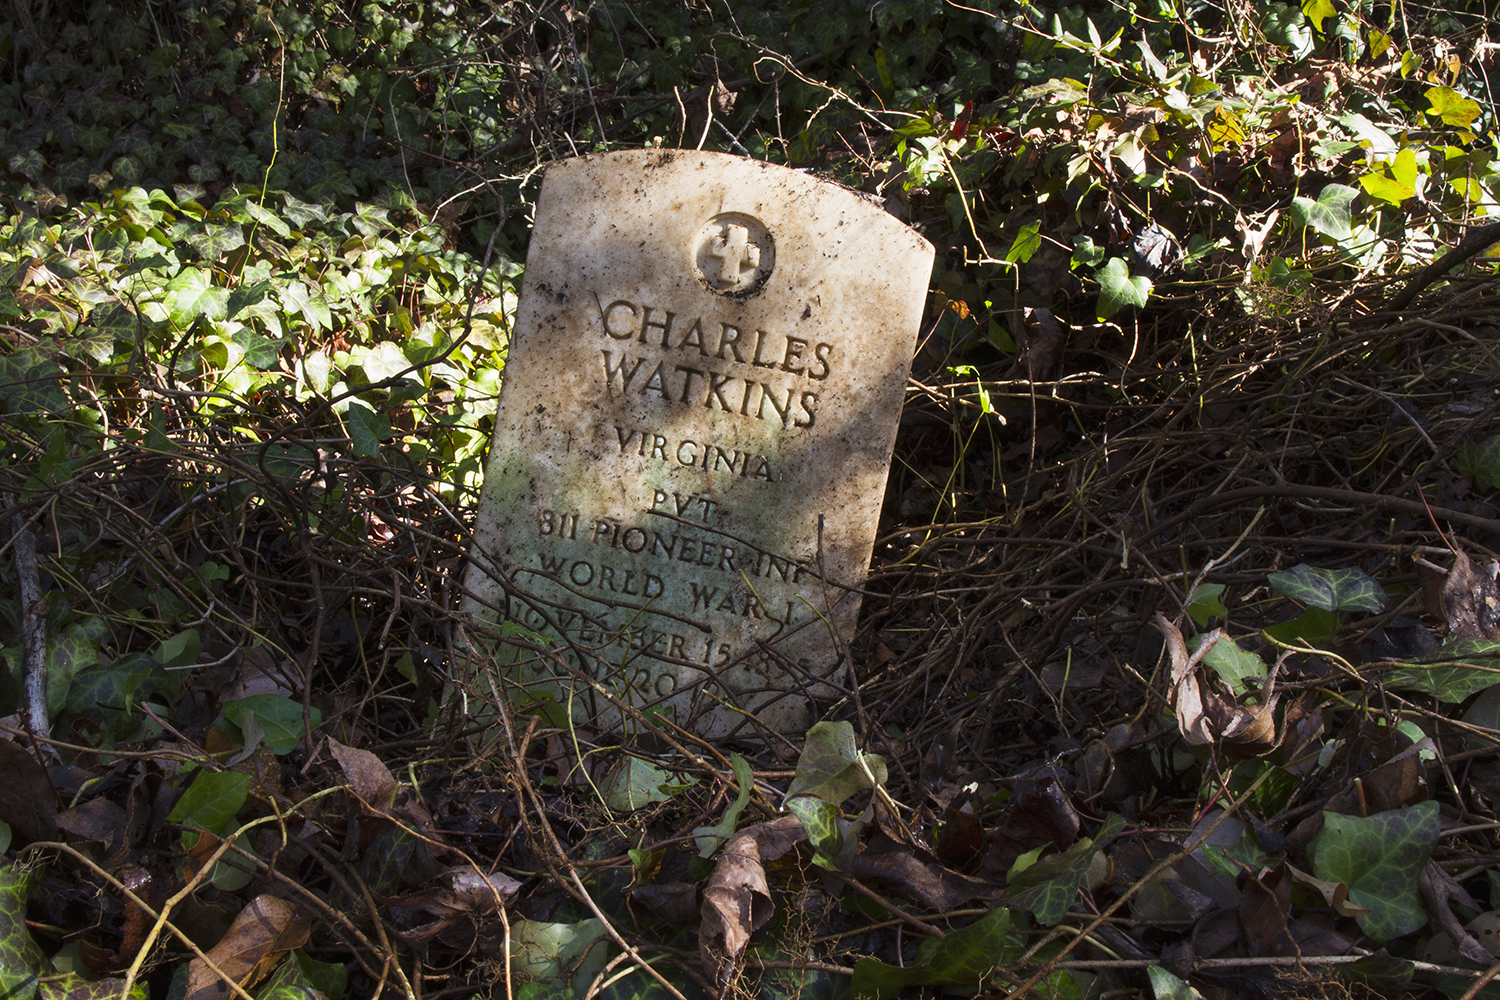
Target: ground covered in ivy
[[1179, 667]]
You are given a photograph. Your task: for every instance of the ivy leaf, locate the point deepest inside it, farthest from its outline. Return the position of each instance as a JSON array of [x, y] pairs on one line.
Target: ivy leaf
[[1312, 626], [1205, 603], [1234, 665], [212, 800], [1451, 106], [635, 783], [1329, 215], [213, 240], [99, 692], [20, 956], [1386, 189], [29, 163], [261, 352], [310, 303], [710, 837], [565, 955], [1286, 26], [112, 322], [1452, 672], [279, 718], [1349, 589], [1404, 167], [1224, 127], [820, 819], [179, 650], [1047, 887], [1482, 463], [1166, 986], [832, 767], [264, 216], [1379, 858], [192, 294], [1317, 10], [1383, 973], [73, 649], [963, 958], [1118, 289], [1086, 253], [366, 429], [1026, 243]]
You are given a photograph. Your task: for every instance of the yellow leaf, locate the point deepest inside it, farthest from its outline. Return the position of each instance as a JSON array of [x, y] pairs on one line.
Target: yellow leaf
[[1316, 10], [1224, 127], [1404, 168]]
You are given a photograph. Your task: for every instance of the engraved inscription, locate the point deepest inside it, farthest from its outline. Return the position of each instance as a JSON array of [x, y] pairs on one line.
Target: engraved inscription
[[730, 369], [735, 253]]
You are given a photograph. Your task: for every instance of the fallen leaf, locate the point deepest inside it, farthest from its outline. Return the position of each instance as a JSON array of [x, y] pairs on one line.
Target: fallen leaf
[[1041, 812], [667, 902], [371, 780], [1265, 908], [1206, 717], [484, 893], [1439, 890], [1335, 894], [26, 796], [1472, 601], [1187, 696], [916, 877], [97, 819], [737, 900], [258, 939], [958, 840]]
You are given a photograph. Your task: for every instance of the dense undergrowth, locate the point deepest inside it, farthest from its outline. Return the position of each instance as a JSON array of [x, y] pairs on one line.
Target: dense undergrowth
[[256, 269]]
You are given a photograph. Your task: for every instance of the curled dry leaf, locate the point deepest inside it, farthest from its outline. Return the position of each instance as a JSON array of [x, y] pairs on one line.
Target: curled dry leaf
[[737, 900], [1335, 894], [258, 939], [916, 876], [1205, 716], [1187, 694], [1439, 891]]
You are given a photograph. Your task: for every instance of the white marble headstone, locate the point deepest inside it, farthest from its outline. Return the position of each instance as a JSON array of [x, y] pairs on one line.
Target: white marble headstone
[[708, 360]]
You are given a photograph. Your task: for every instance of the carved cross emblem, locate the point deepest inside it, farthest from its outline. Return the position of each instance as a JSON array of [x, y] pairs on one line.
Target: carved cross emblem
[[737, 255]]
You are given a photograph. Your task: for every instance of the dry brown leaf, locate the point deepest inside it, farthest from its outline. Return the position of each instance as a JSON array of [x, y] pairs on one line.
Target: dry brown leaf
[[917, 878], [667, 902], [26, 796], [371, 780], [1187, 695], [1265, 908], [1472, 601], [97, 819], [258, 939], [1335, 894], [737, 900], [1439, 891], [1205, 716]]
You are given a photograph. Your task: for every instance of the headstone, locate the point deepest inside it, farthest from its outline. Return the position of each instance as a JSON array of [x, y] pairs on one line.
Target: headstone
[[693, 434]]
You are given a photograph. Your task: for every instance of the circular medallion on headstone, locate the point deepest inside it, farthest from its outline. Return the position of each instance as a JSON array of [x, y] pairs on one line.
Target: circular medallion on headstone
[[734, 253]]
